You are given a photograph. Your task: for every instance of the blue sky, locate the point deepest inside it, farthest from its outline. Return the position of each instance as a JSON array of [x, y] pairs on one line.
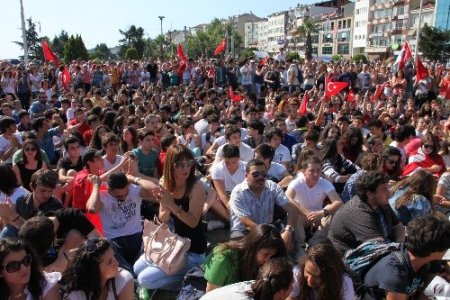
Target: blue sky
[[99, 21]]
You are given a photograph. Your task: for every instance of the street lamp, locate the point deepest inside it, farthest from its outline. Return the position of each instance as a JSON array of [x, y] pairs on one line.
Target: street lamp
[[161, 18]]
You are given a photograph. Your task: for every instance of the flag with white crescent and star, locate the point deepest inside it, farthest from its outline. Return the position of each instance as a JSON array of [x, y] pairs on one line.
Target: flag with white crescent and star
[[333, 87]]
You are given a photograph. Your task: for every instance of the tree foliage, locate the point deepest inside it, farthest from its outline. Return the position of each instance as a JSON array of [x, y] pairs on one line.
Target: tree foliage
[[132, 37], [101, 52], [74, 49], [131, 53], [203, 43], [360, 58], [434, 43], [33, 41], [57, 44], [306, 31]]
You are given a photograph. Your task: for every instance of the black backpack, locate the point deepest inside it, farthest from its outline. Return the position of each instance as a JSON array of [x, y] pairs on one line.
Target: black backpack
[[194, 284]]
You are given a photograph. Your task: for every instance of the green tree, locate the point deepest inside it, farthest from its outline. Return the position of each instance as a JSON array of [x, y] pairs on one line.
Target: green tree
[[293, 55], [101, 52], [132, 37], [131, 54], [434, 43], [360, 58], [306, 31], [248, 53], [74, 49], [58, 42], [33, 41]]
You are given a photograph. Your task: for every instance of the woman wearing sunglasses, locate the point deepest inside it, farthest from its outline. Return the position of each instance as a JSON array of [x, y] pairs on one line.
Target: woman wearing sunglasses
[[94, 274], [427, 157], [21, 277], [181, 205], [32, 161], [390, 162]]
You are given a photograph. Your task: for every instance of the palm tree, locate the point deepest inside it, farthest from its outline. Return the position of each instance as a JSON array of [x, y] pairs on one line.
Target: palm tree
[[306, 30]]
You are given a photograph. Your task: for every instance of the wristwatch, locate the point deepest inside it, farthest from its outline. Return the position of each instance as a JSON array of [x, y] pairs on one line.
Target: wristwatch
[[326, 213]]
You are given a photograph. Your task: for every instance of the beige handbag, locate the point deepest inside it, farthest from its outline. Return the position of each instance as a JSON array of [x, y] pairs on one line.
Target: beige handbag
[[164, 248]]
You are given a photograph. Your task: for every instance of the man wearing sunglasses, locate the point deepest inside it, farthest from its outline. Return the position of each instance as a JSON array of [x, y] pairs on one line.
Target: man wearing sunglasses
[[252, 203]]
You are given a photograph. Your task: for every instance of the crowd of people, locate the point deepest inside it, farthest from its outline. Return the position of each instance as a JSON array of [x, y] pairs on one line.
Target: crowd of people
[[250, 147]]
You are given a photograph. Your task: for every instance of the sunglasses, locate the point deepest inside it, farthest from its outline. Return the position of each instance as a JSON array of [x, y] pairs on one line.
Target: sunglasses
[[427, 146], [392, 161], [259, 174], [14, 266], [92, 244], [29, 149], [182, 165]]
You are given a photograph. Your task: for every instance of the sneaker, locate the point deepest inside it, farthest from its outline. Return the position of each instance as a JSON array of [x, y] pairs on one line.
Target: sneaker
[[215, 224]]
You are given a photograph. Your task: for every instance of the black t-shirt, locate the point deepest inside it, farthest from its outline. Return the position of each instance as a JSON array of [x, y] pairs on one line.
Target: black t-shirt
[[66, 164], [25, 207], [356, 223], [393, 273]]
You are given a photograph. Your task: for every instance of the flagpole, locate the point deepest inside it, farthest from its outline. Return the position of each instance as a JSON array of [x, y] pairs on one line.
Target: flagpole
[[24, 35], [416, 52]]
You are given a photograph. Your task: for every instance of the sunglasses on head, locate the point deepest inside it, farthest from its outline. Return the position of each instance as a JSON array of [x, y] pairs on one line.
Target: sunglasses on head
[[259, 174], [92, 244], [14, 266], [181, 165]]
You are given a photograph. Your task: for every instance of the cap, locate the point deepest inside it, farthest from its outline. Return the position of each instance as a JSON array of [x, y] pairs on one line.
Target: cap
[[90, 155]]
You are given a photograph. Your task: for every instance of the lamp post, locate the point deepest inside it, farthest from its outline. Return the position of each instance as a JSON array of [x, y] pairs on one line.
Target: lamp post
[[24, 35], [161, 18]]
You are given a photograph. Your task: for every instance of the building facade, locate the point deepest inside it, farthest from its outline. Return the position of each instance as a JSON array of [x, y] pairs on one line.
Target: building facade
[[442, 14]]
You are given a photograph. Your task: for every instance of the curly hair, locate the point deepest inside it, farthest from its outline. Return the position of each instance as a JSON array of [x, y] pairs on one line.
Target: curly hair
[[83, 272], [332, 269], [96, 141], [427, 235], [369, 182], [37, 280]]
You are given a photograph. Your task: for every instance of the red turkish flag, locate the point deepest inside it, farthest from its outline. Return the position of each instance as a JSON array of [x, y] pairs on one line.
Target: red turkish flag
[[303, 106], [221, 47], [421, 70], [65, 77], [333, 88], [264, 61], [48, 53], [350, 96], [180, 53], [235, 97]]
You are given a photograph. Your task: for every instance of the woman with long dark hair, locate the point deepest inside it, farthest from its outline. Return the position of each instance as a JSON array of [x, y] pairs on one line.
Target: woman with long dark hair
[[129, 139], [240, 260], [32, 161], [322, 275], [94, 274], [99, 133], [274, 282], [336, 168], [352, 141], [390, 161], [181, 203], [413, 196], [21, 276]]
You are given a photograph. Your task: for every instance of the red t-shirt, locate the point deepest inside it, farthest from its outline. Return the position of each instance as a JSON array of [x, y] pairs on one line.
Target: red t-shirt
[[83, 128]]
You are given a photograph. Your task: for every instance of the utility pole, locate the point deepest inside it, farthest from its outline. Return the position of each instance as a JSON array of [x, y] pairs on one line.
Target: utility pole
[[161, 18], [232, 39], [24, 34], [186, 42], [416, 53]]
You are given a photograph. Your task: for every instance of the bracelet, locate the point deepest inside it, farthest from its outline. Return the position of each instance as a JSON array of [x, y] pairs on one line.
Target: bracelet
[[288, 228], [136, 180], [16, 218]]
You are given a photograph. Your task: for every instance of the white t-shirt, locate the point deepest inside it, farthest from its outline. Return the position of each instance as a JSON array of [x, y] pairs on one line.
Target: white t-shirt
[[290, 125], [51, 279], [108, 165], [277, 170], [124, 218], [310, 198], [36, 81], [282, 154], [235, 291], [18, 193], [219, 171], [201, 126], [348, 293], [4, 145], [245, 152], [121, 281]]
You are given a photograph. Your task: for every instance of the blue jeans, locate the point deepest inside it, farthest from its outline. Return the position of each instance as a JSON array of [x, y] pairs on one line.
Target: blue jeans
[[9, 231], [152, 277], [128, 249]]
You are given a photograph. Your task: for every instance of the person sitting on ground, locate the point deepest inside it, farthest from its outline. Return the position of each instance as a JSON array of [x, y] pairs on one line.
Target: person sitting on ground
[[274, 282], [282, 154], [21, 273], [255, 133], [73, 163], [275, 171], [413, 196], [94, 274], [240, 260], [402, 274], [31, 163], [110, 144], [233, 137], [309, 192], [366, 216], [321, 274], [146, 155]]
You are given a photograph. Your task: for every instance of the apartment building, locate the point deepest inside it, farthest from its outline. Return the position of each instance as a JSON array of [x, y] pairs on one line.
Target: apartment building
[[442, 14]]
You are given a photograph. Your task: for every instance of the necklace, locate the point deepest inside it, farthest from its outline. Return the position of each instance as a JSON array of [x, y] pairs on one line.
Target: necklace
[[17, 296]]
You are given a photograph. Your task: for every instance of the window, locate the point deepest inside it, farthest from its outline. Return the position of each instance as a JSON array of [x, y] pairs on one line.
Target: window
[[343, 49], [327, 50], [327, 38], [314, 50]]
